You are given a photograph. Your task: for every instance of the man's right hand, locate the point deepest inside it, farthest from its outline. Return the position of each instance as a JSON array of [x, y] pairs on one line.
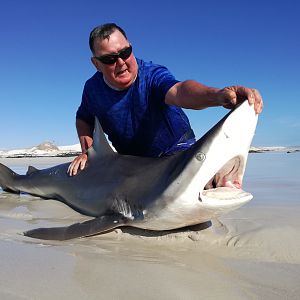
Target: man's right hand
[[78, 164]]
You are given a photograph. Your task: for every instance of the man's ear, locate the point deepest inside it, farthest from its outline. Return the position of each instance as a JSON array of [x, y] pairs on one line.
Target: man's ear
[[96, 63]]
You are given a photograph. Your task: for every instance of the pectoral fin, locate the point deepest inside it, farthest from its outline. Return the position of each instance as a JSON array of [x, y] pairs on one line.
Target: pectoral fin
[[87, 228]]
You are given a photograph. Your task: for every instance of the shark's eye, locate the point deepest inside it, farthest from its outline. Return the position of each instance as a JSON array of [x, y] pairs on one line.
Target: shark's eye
[[200, 156]]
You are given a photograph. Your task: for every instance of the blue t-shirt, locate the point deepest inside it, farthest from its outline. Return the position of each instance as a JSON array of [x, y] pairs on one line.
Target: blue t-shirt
[[137, 120]]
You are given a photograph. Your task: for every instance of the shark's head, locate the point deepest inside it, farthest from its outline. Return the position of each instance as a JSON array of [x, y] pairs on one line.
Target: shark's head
[[214, 166]]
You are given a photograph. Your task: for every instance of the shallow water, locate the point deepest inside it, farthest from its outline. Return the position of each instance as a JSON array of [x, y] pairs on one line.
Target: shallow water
[[274, 177], [251, 253]]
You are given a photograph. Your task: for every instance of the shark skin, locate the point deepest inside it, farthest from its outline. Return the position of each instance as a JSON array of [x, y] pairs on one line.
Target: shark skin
[[187, 188]]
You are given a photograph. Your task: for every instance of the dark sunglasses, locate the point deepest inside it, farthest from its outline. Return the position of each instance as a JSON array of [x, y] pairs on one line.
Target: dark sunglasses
[[109, 59]]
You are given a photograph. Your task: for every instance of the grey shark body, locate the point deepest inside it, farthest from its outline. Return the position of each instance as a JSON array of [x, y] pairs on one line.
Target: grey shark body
[[187, 188]]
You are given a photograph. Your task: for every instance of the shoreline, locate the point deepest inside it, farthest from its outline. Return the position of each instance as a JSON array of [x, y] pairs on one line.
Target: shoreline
[[74, 150]]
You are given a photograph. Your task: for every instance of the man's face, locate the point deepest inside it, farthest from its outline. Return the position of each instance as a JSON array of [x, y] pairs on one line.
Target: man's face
[[122, 73]]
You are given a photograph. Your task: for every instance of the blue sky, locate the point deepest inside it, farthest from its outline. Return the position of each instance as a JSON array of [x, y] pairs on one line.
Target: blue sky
[[45, 59]]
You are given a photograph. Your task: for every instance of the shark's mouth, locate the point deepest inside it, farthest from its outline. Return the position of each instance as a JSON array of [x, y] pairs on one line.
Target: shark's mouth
[[230, 175], [226, 184]]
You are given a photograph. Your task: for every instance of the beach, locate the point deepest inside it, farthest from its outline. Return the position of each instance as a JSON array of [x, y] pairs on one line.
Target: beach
[[250, 253]]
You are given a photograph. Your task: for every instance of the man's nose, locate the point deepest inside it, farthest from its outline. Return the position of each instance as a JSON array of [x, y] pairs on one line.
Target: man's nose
[[120, 61]]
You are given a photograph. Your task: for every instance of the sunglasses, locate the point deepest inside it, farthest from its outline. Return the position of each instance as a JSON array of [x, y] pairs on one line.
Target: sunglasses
[[109, 59]]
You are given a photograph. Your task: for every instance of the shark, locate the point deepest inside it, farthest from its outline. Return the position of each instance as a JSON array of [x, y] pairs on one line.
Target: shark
[[187, 188]]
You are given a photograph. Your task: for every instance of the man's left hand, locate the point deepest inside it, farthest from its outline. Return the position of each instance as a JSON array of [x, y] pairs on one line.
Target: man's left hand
[[234, 95]]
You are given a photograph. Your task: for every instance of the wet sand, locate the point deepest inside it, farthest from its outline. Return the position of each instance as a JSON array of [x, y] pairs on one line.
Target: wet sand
[[251, 253]]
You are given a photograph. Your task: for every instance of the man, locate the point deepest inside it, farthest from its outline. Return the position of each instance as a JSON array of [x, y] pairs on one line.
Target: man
[[139, 104]]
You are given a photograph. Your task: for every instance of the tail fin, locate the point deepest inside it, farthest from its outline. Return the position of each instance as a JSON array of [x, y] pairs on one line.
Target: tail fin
[[7, 177]]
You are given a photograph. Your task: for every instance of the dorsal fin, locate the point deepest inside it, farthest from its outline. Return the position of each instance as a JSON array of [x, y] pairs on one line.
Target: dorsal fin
[[100, 145], [31, 170]]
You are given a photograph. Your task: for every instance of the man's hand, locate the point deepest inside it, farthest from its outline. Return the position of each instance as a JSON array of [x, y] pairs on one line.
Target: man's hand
[[233, 95], [78, 163]]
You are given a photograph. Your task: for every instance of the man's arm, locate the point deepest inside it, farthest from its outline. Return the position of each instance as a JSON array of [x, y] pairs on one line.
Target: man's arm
[[85, 134], [194, 95]]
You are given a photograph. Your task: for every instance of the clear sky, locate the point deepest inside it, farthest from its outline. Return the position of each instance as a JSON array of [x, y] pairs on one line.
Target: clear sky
[[45, 59]]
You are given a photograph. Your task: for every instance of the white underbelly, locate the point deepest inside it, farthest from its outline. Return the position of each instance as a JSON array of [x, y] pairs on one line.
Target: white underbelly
[[190, 210]]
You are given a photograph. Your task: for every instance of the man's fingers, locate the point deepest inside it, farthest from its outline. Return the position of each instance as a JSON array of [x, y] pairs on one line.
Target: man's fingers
[[82, 164], [244, 93], [258, 104], [69, 168], [73, 167], [78, 162], [253, 96], [233, 95]]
